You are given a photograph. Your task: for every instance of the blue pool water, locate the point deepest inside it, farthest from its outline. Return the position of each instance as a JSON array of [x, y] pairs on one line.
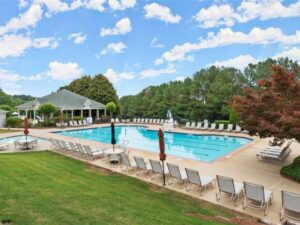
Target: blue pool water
[[19, 138], [201, 147]]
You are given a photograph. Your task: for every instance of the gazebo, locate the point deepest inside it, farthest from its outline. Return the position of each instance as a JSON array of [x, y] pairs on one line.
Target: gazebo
[[65, 101]]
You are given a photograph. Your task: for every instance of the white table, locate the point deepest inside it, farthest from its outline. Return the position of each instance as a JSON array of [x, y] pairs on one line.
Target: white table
[[114, 155]]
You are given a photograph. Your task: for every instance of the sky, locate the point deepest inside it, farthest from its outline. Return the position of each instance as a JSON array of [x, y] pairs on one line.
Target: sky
[[45, 44]]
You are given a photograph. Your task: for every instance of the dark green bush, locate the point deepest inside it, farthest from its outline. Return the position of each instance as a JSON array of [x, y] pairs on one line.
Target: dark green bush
[[293, 170], [297, 160], [225, 122], [14, 122]]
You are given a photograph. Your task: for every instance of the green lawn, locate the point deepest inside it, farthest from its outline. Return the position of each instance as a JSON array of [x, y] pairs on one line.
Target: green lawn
[[2, 131], [48, 188]]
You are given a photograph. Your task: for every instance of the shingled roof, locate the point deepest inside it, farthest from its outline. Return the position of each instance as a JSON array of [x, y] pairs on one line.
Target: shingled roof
[[63, 99]]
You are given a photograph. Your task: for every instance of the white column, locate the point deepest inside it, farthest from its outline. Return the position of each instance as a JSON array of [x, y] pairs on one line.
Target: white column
[[105, 111], [72, 114], [19, 113], [26, 113], [97, 110], [90, 113], [34, 114], [81, 113]]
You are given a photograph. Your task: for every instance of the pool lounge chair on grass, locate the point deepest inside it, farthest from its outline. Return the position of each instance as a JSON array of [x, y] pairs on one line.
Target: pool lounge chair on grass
[[290, 206], [193, 177], [257, 197], [230, 189]]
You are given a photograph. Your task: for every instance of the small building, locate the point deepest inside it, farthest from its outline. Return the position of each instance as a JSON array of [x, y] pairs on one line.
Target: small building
[[2, 118], [66, 102]]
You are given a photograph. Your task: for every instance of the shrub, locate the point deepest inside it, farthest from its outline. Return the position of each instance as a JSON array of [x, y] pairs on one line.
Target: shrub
[[233, 117], [293, 170], [225, 122], [77, 118], [14, 122], [6, 108], [111, 108], [47, 109], [297, 160]]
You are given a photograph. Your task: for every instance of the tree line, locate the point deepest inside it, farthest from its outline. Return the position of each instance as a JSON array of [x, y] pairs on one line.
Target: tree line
[[203, 96]]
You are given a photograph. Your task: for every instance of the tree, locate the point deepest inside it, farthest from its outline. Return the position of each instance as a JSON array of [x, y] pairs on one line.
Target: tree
[[272, 109], [47, 109], [6, 108], [111, 108]]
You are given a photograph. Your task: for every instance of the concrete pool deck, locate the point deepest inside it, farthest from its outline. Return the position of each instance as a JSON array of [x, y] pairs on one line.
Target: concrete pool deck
[[241, 165]]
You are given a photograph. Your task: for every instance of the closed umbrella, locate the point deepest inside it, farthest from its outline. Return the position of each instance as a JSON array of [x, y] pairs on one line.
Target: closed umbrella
[[113, 138], [162, 154], [26, 131]]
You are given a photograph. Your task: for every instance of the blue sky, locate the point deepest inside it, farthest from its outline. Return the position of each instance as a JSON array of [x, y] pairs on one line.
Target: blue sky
[[45, 44]]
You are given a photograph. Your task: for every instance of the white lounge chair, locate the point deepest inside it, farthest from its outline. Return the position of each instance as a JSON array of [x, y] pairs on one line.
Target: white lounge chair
[[75, 123], [229, 189], [93, 152], [157, 167], [212, 127], [174, 173], [154, 120], [71, 123], [237, 129], [229, 127], [193, 177], [142, 165], [80, 123], [150, 120], [117, 120], [158, 121], [205, 126], [257, 197], [80, 149], [278, 155], [187, 125], [126, 163], [199, 125], [290, 206], [221, 127], [193, 125]]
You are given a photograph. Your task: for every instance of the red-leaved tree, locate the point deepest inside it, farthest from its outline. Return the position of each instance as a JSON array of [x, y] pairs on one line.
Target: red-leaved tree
[[272, 109]]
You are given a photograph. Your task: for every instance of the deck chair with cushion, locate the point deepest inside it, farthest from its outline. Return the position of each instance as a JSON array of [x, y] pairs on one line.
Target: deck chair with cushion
[[238, 129], [205, 126], [193, 177], [275, 154], [290, 206], [93, 152], [256, 196], [229, 189], [174, 173], [212, 127], [199, 125], [229, 127], [187, 125], [221, 127]]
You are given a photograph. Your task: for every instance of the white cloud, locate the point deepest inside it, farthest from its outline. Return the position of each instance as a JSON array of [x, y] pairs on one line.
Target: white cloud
[[117, 48], [293, 53], [8, 82], [123, 26], [115, 77], [226, 36], [154, 44], [53, 6], [78, 38], [64, 71], [23, 3], [226, 15], [121, 4], [96, 5], [180, 78], [239, 62], [163, 13], [28, 19], [16, 45], [155, 73]]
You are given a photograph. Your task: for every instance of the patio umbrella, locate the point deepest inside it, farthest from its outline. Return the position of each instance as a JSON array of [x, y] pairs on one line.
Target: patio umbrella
[[113, 139], [162, 154], [26, 131]]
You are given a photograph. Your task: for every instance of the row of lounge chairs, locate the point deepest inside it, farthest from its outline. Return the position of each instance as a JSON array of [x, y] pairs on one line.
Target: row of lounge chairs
[[146, 120], [213, 127], [254, 195], [275, 154], [73, 123], [86, 150]]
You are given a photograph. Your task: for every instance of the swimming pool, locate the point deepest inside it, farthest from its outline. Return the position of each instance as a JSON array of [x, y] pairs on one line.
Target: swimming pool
[[201, 147], [20, 138]]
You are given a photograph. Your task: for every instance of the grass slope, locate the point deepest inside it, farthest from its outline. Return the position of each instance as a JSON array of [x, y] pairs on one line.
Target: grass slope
[[48, 188]]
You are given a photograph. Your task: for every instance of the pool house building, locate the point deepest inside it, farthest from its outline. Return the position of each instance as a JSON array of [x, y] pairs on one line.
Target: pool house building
[[65, 101]]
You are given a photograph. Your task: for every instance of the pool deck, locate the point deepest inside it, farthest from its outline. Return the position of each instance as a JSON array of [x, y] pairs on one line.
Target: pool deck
[[241, 165]]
